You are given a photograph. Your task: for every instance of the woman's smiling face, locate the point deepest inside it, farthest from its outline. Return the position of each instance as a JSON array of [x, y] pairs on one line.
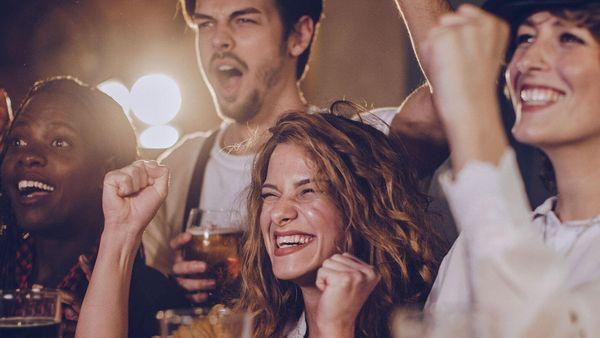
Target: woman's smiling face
[[553, 78], [50, 171], [300, 223]]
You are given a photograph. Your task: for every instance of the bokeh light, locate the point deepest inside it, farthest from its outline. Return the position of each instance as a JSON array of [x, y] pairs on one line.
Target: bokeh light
[[159, 137], [155, 99], [118, 91]]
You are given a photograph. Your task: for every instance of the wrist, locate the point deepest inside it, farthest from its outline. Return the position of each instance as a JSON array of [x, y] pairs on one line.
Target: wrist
[[339, 330], [125, 243]]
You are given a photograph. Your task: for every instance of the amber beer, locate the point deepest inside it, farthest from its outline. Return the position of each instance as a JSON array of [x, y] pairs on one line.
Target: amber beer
[[24, 327], [219, 249]]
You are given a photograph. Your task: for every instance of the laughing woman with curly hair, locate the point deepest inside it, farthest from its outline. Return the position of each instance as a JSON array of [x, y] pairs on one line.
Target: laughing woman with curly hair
[[337, 234]]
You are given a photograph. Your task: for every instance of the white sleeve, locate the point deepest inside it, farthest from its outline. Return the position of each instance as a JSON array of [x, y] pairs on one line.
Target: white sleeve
[[511, 274], [380, 118]]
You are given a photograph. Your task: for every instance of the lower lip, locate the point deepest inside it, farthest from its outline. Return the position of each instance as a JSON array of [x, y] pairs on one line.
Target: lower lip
[[33, 199], [532, 108], [290, 250]]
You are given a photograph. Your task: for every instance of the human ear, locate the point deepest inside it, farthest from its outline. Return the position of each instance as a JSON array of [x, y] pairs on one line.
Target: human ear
[[301, 37]]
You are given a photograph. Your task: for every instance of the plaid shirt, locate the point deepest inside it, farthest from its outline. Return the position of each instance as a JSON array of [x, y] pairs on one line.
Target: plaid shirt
[[75, 280]]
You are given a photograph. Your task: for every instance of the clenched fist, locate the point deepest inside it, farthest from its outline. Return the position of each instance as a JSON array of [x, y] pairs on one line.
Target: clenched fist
[[345, 282], [132, 195]]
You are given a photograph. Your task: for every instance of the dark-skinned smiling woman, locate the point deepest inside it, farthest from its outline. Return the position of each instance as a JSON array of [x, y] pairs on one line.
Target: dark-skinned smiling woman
[[65, 137]]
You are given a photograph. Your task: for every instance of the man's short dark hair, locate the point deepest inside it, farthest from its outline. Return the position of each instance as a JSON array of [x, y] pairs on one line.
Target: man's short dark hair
[[290, 12]]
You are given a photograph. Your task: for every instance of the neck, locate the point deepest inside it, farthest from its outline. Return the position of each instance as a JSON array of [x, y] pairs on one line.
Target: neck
[[56, 255], [311, 296], [251, 134], [577, 179]]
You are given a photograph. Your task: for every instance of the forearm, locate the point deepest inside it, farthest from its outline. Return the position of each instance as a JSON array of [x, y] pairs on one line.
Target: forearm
[[105, 307], [420, 16]]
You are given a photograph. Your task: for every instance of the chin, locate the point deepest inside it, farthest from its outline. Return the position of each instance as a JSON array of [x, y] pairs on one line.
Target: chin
[[533, 135], [242, 110]]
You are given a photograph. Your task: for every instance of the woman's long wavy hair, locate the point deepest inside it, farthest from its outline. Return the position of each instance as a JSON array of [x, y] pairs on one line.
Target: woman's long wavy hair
[[370, 179]]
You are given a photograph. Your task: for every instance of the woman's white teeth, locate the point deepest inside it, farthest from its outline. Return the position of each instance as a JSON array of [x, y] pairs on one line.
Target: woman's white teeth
[[225, 68], [540, 96], [294, 240], [24, 184]]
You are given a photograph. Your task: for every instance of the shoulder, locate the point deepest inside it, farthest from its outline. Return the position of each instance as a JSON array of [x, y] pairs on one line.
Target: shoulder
[[189, 145]]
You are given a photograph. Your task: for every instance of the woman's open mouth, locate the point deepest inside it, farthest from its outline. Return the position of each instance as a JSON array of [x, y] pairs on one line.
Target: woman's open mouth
[[287, 243], [32, 191]]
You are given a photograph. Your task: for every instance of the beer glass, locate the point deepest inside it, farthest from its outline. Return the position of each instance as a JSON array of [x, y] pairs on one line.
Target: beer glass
[[218, 322], [30, 313], [216, 239]]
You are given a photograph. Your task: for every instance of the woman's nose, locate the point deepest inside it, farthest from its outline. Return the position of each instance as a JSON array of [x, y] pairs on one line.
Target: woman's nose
[[283, 212]]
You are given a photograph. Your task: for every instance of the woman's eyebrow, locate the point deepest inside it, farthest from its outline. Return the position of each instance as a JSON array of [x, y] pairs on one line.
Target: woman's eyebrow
[[56, 125], [268, 185], [303, 182]]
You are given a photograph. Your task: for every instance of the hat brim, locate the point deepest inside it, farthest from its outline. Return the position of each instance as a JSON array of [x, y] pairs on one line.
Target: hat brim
[[512, 10]]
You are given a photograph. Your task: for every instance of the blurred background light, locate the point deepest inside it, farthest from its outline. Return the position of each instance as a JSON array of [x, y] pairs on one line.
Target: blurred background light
[[159, 137], [155, 99], [118, 91]]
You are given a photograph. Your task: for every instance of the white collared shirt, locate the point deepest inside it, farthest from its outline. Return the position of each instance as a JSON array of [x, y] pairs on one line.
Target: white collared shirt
[[541, 275]]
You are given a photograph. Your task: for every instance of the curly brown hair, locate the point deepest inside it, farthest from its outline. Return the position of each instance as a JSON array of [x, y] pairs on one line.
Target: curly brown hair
[[369, 177]]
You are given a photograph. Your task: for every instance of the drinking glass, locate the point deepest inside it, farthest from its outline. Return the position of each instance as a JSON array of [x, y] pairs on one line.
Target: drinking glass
[[30, 313], [216, 239], [218, 322]]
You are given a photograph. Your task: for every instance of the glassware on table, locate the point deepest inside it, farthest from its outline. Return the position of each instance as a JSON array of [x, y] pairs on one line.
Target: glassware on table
[[30, 313], [218, 322], [216, 239]]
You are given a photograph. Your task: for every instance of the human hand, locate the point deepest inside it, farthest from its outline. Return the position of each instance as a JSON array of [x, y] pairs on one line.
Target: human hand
[[345, 282], [464, 52], [131, 197], [185, 271]]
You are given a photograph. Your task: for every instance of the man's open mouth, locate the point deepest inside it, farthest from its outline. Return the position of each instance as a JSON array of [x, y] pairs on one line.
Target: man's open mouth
[[228, 78]]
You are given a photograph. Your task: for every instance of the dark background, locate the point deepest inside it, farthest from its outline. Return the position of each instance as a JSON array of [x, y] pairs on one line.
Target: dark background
[[362, 53]]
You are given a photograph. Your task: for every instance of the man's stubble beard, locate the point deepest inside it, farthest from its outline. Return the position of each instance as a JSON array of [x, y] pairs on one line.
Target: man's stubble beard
[[267, 77]]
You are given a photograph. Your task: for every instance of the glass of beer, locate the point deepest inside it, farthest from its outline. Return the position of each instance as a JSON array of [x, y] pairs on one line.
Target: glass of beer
[[216, 239], [30, 313]]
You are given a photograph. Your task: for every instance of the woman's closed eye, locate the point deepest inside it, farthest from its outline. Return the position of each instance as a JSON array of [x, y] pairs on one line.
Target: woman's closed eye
[[267, 195], [307, 191]]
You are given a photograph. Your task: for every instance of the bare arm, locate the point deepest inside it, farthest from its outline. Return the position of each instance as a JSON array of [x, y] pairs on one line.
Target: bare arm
[[420, 16], [417, 122], [130, 199]]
